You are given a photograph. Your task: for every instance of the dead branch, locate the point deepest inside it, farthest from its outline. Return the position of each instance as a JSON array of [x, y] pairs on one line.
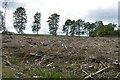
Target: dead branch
[[88, 74], [30, 54], [8, 62], [101, 70], [102, 63], [64, 46], [117, 75], [25, 56], [50, 64]]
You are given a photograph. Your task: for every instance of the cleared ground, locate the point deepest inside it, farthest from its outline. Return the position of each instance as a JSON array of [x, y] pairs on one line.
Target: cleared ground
[[60, 56]]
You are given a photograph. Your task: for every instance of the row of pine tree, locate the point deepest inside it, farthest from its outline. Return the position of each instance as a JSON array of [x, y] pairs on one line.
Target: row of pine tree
[[71, 27]]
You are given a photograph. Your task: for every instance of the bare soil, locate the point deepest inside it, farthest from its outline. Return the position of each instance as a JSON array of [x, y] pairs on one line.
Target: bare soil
[[70, 54]]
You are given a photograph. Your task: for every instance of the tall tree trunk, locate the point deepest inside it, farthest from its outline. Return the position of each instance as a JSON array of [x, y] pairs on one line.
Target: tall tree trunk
[[4, 8], [37, 32], [67, 33]]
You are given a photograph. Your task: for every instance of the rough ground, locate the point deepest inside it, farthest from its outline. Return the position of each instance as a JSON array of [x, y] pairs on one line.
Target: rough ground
[[71, 56]]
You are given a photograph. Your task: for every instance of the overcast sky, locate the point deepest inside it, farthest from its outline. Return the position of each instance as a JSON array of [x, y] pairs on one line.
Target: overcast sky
[[87, 10]]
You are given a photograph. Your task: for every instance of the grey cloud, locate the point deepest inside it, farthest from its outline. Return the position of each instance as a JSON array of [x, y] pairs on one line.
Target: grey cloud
[[12, 5], [106, 14], [119, 12]]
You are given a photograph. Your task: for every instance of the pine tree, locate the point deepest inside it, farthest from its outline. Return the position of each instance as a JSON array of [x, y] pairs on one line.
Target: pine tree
[[72, 28], [66, 26], [20, 21], [1, 21], [36, 24], [53, 21]]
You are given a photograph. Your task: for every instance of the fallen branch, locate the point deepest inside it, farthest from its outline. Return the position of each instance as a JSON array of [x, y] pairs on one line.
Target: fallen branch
[[117, 75], [89, 76], [50, 64], [26, 56], [64, 46], [9, 63], [102, 63]]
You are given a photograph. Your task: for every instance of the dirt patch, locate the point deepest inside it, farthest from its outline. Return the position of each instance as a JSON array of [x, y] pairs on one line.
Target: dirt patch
[[68, 53]]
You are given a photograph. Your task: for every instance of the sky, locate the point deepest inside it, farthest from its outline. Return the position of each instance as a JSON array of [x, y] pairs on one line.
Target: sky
[[87, 10]]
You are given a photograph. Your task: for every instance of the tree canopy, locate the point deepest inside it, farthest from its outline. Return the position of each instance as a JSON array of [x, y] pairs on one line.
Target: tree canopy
[[20, 19], [70, 27], [53, 21], [66, 26], [36, 23]]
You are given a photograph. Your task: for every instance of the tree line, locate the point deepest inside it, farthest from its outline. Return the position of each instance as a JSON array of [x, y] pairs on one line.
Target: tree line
[[70, 27]]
